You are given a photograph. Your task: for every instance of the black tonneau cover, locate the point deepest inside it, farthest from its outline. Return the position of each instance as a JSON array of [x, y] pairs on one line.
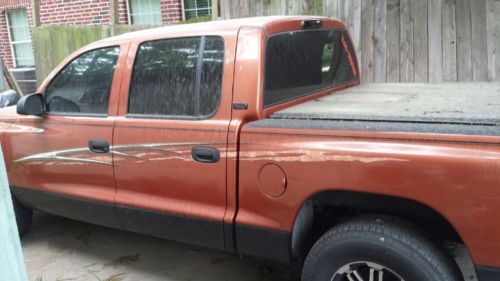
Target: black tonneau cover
[[450, 108]]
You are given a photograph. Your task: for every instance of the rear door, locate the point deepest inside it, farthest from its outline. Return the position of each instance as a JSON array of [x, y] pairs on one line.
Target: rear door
[[61, 161], [170, 141]]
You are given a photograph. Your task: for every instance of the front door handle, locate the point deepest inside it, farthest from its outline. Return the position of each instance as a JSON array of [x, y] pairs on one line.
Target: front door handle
[[205, 154], [99, 146]]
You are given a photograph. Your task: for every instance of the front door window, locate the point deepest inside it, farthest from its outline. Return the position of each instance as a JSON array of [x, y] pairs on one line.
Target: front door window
[[83, 86]]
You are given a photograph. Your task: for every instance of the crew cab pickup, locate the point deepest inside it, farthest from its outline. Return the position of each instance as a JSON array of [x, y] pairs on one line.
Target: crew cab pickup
[[254, 136]]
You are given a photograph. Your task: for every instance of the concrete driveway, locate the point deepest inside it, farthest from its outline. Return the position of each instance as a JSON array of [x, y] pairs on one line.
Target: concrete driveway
[[59, 249]]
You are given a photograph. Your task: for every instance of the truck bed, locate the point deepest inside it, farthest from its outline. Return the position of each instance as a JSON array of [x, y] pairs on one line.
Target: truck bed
[[450, 108]]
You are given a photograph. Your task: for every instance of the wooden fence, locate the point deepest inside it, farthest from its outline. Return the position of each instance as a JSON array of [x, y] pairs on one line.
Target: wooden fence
[[54, 43], [404, 40]]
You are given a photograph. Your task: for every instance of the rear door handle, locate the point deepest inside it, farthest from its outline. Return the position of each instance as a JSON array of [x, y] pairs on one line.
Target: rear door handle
[[205, 154], [99, 146]]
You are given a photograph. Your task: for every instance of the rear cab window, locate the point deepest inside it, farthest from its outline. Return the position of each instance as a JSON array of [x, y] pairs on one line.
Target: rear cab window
[[178, 78], [304, 62]]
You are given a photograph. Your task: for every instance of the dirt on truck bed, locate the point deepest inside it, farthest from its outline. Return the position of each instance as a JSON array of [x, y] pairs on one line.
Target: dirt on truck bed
[[456, 108]]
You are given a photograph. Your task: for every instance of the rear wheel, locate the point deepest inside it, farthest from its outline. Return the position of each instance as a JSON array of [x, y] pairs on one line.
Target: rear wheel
[[24, 216], [377, 248]]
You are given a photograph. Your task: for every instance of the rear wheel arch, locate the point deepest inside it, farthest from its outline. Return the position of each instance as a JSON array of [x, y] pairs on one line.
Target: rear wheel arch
[[325, 209], [367, 246]]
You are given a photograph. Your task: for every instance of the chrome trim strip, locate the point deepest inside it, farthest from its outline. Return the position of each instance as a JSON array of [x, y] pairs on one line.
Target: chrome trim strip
[[65, 155]]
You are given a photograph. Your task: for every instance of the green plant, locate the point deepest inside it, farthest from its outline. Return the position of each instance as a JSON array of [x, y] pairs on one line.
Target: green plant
[[198, 19]]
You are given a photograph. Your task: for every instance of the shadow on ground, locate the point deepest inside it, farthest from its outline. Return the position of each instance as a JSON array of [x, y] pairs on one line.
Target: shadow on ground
[[59, 249]]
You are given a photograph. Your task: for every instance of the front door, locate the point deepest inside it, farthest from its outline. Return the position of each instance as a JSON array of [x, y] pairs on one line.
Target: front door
[[61, 162], [170, 142]]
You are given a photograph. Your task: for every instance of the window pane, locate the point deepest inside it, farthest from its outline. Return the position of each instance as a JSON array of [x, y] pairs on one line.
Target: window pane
[[145, 11], [211, 75], [163, 79], [20, 38], [203, 12], [190, 14], [165, 73], [84, 84], [197, 8], [189, 4], [19, 25], [303, 62], [24, 54], [20, 33]]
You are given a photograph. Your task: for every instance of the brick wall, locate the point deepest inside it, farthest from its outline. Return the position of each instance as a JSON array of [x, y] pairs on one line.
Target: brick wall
[[171, 11], [5, 7], [122, 12], [97, 12], [75, 12]]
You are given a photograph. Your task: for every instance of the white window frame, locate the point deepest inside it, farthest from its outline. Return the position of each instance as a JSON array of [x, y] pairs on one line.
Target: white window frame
[[129, 16], [196, 9], [11, 43], [182, 10]]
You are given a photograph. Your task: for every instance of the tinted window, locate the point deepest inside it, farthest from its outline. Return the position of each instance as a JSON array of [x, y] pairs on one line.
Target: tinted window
[[211, 75], [84, 84], [303, 62], [171, 79]]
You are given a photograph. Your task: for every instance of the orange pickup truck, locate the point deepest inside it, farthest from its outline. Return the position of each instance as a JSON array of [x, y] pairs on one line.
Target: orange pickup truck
[[254, 136]]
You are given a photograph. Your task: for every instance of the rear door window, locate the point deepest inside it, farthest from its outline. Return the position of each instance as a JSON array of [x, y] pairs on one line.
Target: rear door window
[[177, 78], [299, 63]]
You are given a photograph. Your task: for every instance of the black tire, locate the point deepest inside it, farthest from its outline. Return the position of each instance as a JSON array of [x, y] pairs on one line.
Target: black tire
[[374, 241], [24, 217]]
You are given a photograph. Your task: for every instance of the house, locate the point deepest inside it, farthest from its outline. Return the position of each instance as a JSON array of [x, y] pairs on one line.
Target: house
[[17, 17]]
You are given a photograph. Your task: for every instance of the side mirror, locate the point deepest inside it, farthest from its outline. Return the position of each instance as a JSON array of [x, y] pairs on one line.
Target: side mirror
[[31, 105]]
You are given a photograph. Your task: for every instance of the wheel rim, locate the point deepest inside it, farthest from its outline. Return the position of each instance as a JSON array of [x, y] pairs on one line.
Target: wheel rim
[[365, 271]]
